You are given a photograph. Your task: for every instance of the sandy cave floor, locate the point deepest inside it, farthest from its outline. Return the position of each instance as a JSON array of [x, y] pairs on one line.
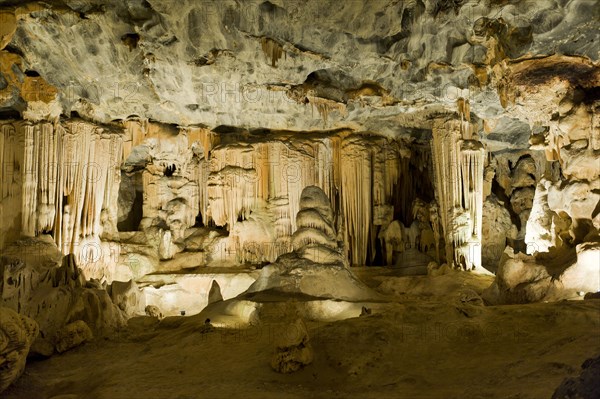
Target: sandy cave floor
[[424, 343]]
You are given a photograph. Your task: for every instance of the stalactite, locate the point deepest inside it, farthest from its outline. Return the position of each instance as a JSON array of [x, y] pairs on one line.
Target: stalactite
[[113, 178], [29, 199], [325, 107], [8, 149], [272, 50], [69, 176], [47, 170], [232, 184]]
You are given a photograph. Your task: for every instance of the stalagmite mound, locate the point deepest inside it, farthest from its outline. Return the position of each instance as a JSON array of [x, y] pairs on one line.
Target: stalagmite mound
[[316, 267], [315, 237], [313, 273]]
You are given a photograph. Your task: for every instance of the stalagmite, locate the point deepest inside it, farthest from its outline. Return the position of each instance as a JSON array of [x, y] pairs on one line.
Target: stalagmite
[[392, 239]]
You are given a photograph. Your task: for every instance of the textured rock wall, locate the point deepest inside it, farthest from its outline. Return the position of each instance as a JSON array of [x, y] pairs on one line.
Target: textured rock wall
[[270, 63]]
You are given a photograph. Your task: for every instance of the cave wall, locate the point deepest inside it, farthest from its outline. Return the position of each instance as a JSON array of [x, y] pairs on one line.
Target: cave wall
[[64, 178]]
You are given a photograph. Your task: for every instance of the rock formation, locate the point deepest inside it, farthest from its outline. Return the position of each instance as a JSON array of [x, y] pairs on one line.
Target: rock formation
[[585, 386], [42, 284], [167, 156], [72, 335], [550, 276], [459, 163]]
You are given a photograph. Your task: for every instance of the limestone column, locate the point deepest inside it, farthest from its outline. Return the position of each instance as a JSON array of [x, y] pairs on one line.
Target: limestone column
[[458, 158]]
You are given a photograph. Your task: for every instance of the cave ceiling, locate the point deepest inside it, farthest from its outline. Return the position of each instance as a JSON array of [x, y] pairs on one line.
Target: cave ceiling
[[389, 67]]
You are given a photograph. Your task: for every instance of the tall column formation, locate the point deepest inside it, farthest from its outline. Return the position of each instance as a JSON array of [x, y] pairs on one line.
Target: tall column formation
[[356, 198], [458, 165], [202, 141]]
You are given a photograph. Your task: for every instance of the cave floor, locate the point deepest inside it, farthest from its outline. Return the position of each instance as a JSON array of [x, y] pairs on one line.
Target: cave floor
[[422, 344]]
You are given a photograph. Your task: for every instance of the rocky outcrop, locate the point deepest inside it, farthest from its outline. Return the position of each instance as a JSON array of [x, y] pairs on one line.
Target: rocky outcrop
[[497, 227], [559, 274], [280, 62], [154, 312], [127, 296], [584, 386], [72, 335]]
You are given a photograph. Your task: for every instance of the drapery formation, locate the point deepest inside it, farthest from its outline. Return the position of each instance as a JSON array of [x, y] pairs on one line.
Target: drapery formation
[[68, 176]]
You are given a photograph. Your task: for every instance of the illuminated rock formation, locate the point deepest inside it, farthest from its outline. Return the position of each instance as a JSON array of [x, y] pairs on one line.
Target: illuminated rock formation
[[315, 237], [225, 158], [459, 162]]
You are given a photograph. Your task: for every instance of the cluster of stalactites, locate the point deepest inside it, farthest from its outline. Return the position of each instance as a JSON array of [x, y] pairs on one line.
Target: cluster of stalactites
[[244, 176], [272, 50], [69, 176], [181, 153]]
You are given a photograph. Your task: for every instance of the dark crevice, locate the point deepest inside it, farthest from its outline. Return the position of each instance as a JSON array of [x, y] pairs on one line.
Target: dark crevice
[[135, 215], [6, 114], [198, 221], [502, 197], [14, 50], [597, 208], [170, 170], [131, 40]]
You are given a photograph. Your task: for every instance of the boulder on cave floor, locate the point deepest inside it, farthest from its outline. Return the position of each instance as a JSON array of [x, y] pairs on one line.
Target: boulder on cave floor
[[564, 273], [292, 349]]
